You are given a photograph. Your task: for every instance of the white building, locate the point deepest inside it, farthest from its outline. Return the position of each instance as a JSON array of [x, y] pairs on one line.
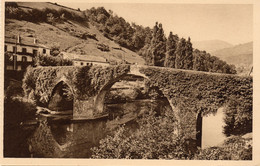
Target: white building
[[22, 51], [85, 60]]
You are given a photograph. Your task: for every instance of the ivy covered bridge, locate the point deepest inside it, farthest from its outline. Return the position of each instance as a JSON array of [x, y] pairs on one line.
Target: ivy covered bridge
[[192, 94]]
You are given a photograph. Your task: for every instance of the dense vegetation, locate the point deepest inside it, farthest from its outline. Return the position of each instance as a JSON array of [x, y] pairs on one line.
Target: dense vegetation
[[234, 148], [86, 81], [156, 138], [205, 93], [47, 60], [153, 46], [52, 16], [116, 28]]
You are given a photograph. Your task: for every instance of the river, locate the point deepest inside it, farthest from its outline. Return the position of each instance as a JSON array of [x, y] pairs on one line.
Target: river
[[65, 138]]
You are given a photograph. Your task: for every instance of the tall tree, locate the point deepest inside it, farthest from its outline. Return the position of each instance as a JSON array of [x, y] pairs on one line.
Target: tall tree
[[171, 45], [158, 46], [187, 61], [149, 51], [180, 54]]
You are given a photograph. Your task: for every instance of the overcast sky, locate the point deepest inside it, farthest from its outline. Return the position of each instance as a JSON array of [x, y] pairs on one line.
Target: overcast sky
[[230, 22]]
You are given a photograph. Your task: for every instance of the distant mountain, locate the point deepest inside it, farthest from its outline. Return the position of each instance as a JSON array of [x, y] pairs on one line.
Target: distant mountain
[[211, 45], [241, 54]]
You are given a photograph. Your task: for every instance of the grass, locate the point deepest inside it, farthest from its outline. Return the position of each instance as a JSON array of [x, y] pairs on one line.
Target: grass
[[63, 34]]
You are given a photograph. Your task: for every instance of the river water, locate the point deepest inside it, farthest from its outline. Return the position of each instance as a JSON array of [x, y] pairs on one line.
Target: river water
[[74, 139]]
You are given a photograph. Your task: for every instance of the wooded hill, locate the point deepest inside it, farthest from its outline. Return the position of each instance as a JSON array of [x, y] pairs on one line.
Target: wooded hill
[[99, 32]]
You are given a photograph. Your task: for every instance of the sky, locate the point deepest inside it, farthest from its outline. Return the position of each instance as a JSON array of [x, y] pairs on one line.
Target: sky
[[232, 23]]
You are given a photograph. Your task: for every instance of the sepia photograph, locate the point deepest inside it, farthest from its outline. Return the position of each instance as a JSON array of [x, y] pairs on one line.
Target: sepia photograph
[[121, 80]]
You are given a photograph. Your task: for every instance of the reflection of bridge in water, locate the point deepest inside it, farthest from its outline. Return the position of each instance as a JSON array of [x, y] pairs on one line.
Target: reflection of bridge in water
[[59, 138], [183, 89]]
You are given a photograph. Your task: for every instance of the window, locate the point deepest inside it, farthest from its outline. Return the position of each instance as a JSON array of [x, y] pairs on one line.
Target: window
[[35, 52], [14, 49], [24, 50], [24, 59], [5, 48], [44, 51], [15, 61], [24, 64]]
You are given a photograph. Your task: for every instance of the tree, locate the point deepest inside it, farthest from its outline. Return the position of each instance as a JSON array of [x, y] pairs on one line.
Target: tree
[[187, 61], [180, 54], [55, 49], [50, 18], [157, 47], [171, 46]]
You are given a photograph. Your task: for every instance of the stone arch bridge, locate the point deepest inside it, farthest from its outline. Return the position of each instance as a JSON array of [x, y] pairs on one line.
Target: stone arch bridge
[[192, 93]]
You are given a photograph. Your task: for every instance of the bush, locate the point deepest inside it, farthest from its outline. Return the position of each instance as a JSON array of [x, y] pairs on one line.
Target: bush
[[18, 109], [155, 139], [47, 60], [234, 148], [13, 11], [13, 90]]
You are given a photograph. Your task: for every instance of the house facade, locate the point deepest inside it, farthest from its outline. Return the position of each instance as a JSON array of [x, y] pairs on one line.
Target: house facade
[[85, 60], [21, 52]]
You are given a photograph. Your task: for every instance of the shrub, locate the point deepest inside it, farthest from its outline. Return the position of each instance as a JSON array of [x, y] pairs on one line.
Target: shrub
[[234, 148], [103, 47], [12, 10], [47, 60], [13, 90], [18, 109], [155, 139]]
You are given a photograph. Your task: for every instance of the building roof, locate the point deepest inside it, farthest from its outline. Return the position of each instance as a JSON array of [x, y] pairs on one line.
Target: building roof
[[25, 41]]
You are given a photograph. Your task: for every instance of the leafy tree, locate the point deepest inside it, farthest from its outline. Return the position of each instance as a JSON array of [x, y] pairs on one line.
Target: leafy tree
[[157, 47], [203, 61], [187, 61], [171, 46], [238, 116], [47, 60], [55, 49], [50, 18], [180, 54]]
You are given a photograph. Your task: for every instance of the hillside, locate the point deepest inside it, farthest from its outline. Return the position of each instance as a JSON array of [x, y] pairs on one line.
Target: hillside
[[239, 55], [211, 45], [71, 36], [99, 33], [42, 5]]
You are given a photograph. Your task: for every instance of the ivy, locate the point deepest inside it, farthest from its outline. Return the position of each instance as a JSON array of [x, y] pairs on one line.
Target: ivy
[[207, 92], [191, 92], [86, 81]]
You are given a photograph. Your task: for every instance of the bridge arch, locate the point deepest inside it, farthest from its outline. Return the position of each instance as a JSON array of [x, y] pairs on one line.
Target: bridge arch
[[62, 97], [99, 101]]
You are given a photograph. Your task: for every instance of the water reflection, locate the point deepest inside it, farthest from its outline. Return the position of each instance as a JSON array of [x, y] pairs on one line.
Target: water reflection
[[61, 138]]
